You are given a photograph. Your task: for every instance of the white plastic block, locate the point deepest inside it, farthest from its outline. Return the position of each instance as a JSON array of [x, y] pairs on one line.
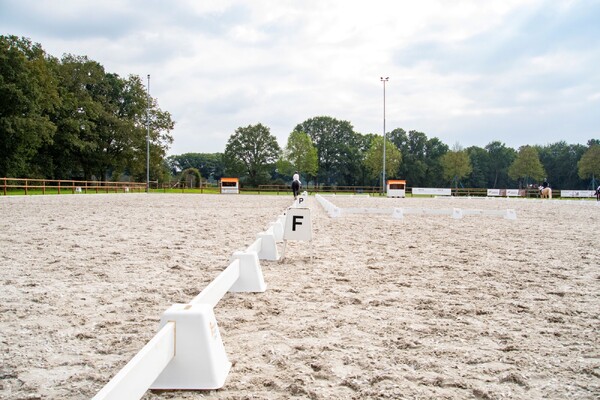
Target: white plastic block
[[510, 214], [398, 213], [200, 360], [277, 228], [335, 212], [281, 220], [268, 246], [251, 277], [457, 213]]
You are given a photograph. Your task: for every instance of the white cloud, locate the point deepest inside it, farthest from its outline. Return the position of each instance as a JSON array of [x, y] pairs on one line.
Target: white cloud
[[217, 65]]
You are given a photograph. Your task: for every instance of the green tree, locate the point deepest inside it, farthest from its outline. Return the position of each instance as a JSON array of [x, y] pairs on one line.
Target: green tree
[[374, 158], [456, 164], [210, 165], [69, 118], [400, 139], [589, 164], [560, 163], [480, 161], [414, 165], [28, 96], [335, 141], [351, 168], [251, 151], [301, 154], [501, 158], [434, 151], [527, 165], [102, 124], [190, 177], [364, 176], [78, 119], [284, 170]]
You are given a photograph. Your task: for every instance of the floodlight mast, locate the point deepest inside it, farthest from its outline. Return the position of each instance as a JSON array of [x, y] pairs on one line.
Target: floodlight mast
[[383, 187], [148, 136]]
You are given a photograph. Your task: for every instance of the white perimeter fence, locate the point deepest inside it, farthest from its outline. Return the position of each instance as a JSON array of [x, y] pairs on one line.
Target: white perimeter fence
[[446, 192], [187, 352], [399, 212], [579, 202]]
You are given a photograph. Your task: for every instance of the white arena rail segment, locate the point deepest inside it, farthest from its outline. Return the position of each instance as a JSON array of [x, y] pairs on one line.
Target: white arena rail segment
[[506, 214], [187, 353], [365, 210], [332, 210], [139, 373], [204, 363], [399, 213], [201, 362], [456, 213]]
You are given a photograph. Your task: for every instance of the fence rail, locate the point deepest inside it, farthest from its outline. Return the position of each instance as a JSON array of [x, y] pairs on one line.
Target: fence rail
[[318, 189], [46, 186], [531, 192], [29, 186]]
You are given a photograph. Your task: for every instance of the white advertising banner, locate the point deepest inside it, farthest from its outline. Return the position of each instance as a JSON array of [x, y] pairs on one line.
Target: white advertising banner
[[577, 193], [432, 191]]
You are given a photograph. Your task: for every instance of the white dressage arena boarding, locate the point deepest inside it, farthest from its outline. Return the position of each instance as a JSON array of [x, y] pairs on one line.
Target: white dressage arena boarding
[[187, 352], [399, 212]]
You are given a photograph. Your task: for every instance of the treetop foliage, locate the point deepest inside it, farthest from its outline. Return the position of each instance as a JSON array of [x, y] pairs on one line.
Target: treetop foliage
[[589, 164], [301, 155], [250, 152], [69, 118], [456, 165]]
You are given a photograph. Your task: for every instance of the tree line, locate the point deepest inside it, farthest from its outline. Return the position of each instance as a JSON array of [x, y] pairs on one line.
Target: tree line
[[327, 151], [68, 118]]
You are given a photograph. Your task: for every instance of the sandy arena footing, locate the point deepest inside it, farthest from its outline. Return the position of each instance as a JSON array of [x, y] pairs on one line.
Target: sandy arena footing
[[423, 307]]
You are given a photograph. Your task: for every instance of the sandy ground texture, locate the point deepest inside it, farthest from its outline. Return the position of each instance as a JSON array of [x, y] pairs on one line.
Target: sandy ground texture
[[427, 307]]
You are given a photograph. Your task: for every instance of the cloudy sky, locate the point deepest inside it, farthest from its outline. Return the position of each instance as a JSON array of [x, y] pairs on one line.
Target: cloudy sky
[[465, 71]]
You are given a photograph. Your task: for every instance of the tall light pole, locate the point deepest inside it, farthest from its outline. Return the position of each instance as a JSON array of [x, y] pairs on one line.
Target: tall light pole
[[384, 80], [148, 136]]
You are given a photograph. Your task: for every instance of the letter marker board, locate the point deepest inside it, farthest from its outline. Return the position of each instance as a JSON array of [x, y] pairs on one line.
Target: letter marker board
[[298, 226]]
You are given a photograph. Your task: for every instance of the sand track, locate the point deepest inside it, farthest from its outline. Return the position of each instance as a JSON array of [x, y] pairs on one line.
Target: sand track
[[424, 307]]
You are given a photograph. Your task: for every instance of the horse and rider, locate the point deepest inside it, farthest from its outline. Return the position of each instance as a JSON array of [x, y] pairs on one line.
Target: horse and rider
[[545, 190], [597, 193], [296, 185]]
